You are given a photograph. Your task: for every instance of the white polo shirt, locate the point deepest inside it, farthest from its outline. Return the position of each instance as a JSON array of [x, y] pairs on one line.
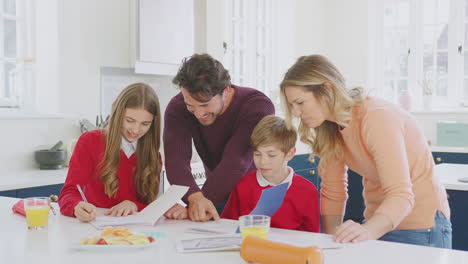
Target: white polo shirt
[[264, 182]]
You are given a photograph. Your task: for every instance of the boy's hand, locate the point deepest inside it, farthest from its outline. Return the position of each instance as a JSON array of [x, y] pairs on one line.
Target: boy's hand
[[85, 211], [122, 209], [176, 212], [201, 209]]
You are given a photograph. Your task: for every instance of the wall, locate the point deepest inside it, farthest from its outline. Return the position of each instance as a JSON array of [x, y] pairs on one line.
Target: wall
[[91, 34], [74, 39], [428, 121], [346, 38]]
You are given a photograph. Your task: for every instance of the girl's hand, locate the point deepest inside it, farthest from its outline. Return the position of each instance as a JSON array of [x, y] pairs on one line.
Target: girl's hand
[[351, 231], [122, 209], [177, 212], [85, 211]]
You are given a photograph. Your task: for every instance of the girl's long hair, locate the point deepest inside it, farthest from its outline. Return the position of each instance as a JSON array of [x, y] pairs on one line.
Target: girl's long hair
[[312, 73], [148, 168]]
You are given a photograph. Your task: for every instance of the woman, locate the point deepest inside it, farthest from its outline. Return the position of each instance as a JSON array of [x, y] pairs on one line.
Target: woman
[[118, 167], [404, 201]]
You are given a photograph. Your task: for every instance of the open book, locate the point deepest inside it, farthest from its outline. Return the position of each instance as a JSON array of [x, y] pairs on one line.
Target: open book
[[148, 216]]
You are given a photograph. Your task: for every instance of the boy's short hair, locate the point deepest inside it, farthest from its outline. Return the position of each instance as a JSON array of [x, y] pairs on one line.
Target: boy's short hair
[[273, 130]]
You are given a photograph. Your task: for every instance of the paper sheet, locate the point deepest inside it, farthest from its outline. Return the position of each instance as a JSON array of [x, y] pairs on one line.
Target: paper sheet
[[150, 214], [222, 226], [322, 241], [217, 243]]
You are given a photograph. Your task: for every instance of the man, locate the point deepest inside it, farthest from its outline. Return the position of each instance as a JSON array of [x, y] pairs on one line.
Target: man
[[219, 117]]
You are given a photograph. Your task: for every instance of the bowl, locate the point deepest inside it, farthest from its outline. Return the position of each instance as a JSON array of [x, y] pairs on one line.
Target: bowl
[[50, 159]]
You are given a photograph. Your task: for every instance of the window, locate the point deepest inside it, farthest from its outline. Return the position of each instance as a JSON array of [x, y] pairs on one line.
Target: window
[[249, 45], [16, 53], [420, 48]]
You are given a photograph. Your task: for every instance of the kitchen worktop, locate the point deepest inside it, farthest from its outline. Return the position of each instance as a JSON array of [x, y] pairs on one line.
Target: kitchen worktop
[[32, 178], [449, 174]]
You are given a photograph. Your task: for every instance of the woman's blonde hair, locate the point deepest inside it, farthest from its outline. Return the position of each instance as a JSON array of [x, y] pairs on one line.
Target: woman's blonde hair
[[148, 168], [316, 74]]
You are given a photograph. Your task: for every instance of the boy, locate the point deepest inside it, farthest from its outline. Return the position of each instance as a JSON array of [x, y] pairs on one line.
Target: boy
[[274, 145]]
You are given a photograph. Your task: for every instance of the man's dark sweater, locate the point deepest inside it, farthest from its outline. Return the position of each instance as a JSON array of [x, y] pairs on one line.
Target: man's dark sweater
[[224, 146]]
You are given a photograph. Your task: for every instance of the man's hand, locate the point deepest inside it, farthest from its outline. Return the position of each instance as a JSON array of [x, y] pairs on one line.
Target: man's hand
[[85, 211], [122, 209], [177, 212], [201, 209]]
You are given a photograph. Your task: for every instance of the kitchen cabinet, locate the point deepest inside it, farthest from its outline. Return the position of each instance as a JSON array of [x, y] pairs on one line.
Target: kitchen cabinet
[[309, 170], [450, 157], [39, 191], [34, 192], [458, 201], [303, 167], [355, 203], [11, 193], [165, 35]]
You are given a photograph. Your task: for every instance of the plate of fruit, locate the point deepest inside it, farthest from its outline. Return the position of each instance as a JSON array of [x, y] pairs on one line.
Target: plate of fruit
[[115, 238]]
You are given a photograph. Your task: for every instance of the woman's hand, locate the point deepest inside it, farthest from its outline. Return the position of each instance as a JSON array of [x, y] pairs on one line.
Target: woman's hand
[[122, 209], [177, 212], [85, 211], [351, 231]]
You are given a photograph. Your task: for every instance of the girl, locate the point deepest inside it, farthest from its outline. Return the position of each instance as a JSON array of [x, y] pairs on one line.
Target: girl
[[118, 167], [404, 200]]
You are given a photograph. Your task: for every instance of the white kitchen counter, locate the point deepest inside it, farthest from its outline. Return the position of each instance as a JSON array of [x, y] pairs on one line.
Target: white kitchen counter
[[32, 178], [435, 148], [449, 174], [302, 148]]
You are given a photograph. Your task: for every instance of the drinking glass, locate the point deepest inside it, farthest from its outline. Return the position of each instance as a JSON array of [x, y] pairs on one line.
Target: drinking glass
[[257, 225], [37, 212]]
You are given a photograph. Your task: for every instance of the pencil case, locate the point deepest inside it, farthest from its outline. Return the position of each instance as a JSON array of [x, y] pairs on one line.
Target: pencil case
[[259, 250]]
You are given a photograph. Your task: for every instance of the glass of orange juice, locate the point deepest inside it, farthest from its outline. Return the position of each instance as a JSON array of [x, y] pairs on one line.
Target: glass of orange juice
[[37, 212], [257, 225]]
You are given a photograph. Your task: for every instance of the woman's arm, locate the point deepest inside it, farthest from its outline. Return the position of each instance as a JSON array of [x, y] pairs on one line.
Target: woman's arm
[[331, 222], [333, 195], [383, 133]]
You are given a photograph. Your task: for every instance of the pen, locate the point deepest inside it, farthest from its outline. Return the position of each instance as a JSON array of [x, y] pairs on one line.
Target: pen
[[81, 193]]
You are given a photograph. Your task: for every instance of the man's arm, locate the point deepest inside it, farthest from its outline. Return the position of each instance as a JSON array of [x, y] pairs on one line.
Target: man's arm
[[177, 139]]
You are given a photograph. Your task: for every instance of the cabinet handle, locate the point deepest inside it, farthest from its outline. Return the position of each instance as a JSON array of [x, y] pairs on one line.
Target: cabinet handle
[[439, 159], [53, 198], [312, 172]]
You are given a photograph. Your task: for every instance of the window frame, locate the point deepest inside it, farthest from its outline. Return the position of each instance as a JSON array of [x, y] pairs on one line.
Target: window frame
[[250, 49], [456, 30], [21, 96]]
